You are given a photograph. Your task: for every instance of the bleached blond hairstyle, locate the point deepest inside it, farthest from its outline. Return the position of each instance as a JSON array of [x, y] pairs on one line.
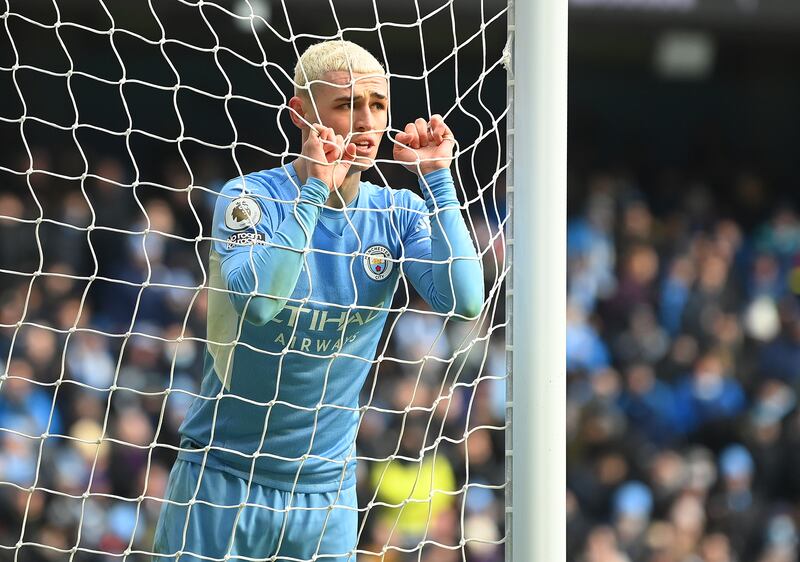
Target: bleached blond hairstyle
[[330, 56]]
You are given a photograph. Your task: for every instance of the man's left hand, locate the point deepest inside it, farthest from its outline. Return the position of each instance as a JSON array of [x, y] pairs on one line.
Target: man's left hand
[[425, 146]]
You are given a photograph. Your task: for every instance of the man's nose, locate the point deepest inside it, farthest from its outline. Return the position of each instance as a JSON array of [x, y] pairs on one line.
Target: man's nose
[[362, 118]]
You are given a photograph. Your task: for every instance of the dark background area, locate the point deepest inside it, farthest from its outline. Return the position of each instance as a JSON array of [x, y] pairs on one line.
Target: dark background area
[[741, 117], [202, 114]]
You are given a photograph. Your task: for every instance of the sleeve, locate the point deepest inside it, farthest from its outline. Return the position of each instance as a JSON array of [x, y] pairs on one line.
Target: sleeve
[[261, 253], [443, 266]]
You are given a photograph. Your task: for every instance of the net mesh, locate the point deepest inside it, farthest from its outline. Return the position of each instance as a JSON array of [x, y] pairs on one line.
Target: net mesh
[[120, 123]]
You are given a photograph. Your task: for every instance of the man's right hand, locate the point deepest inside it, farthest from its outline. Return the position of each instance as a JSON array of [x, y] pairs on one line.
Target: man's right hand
[[327, 158]]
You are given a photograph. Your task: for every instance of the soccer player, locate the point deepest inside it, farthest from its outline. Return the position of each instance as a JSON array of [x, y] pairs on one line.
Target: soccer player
[[304, 264]]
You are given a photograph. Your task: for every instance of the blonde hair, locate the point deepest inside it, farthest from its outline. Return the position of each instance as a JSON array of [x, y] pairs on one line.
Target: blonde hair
[[330, 56]]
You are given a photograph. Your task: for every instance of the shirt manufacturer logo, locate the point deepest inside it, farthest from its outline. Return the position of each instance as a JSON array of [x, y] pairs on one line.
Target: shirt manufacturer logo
[[378, 262], [424, 223]]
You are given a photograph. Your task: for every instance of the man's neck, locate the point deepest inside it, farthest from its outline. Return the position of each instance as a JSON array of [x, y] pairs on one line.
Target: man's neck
[[339, 198]]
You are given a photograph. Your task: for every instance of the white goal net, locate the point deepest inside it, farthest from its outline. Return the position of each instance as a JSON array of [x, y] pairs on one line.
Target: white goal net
[[120, 122]]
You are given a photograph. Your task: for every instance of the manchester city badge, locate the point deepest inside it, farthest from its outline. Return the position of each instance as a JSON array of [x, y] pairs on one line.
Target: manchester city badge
[[378, 262]]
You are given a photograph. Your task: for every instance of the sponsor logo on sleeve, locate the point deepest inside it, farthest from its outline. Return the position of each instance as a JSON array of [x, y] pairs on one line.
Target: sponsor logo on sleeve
[[378, 262], [245, 239], [242, 213]]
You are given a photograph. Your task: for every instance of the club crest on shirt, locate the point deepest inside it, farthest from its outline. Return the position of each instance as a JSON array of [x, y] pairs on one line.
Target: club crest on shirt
[[377, 262], [242, 212]]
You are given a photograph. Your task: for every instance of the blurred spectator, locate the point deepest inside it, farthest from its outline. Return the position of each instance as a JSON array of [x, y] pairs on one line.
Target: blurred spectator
[[27, 407], [708, 399], [643, 340], [781, 539], [585, 350], [633, 504], [601, 546], [417, 487], [780, 357], [17, 240], [675, 292], [650, 404], [591, 253], [636, 285], [736, 509]]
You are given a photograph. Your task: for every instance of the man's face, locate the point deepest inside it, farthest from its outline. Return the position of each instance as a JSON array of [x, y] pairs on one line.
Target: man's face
[[360, 112]]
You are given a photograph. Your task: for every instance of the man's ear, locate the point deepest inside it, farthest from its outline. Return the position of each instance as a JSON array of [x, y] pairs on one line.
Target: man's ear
[[297, 111]]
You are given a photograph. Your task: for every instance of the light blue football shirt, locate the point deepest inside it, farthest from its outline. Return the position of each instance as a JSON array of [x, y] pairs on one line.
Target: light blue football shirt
[[280, 400]]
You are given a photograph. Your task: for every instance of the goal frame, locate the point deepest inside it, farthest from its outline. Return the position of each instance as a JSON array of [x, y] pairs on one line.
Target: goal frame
[[536, 286]]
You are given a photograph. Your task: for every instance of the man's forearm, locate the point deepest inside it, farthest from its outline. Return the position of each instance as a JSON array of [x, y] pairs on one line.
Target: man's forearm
[[271, 270], [457, 283]]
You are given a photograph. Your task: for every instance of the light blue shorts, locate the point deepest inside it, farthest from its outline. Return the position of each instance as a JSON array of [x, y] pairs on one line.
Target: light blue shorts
[[289, 525]]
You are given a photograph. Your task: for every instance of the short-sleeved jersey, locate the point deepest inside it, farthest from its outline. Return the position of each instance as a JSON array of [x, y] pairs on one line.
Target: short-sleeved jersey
[[280, 401]]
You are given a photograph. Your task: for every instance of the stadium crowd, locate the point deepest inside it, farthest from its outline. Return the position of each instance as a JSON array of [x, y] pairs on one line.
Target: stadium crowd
[[683, 359], [89, 430]]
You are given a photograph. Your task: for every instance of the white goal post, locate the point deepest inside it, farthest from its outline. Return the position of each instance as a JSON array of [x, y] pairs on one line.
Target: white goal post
[[536, 291], [121, 122]]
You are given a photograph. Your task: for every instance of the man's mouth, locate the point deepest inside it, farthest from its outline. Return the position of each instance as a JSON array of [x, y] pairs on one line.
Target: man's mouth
[[363, 147]]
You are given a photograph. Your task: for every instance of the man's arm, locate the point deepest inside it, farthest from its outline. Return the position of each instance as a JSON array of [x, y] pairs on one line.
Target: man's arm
[[262, 276], [446, 284], [456, 282]]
